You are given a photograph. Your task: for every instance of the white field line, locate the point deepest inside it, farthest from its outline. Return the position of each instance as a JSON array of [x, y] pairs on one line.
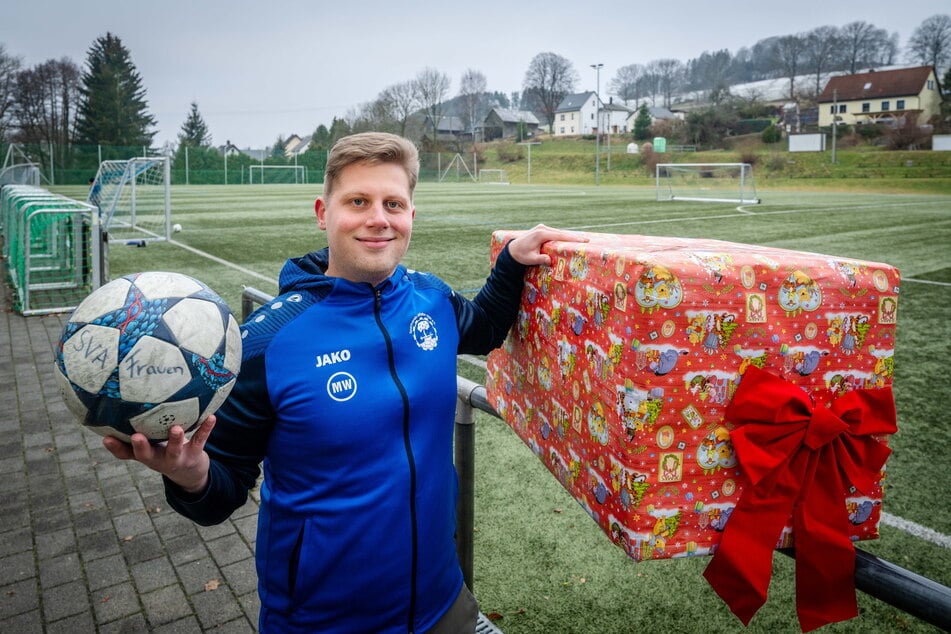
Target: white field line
[[919, 531], [232, 265], [911, 279]]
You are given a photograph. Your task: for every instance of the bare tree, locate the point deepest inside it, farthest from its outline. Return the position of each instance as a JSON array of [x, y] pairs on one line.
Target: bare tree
[[431, 88], [669, 73], [625, 84], [548, 79], [710, 72], [9, 67], [402, 102], [821, 50], [46, 99], [788, 53], [931, 42], [862, 44], [472, 86]]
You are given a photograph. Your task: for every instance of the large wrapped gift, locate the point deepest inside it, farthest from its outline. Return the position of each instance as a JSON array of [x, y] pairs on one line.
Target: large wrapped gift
[[628, 351]]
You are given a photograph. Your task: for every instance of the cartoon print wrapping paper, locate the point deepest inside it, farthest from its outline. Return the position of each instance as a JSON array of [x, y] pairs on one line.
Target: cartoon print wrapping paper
[[627, 351]]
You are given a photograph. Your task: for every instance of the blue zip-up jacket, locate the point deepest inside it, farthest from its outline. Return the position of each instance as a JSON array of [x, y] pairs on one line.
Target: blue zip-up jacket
[[347, 394]]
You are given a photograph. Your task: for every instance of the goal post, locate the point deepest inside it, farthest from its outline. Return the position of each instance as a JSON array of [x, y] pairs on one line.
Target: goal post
[[134, 199], [277, 174], [493, 176], [706, 182]]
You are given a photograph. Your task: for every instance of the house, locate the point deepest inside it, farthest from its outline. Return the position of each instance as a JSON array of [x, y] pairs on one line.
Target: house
[[502, 123], [295, 145], [228, 149], [881, 96], [448, 129], [657, 113], [615, 117], [576, 114]]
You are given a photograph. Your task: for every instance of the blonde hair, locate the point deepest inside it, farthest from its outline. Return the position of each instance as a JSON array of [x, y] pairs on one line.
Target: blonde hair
[[371, 148]]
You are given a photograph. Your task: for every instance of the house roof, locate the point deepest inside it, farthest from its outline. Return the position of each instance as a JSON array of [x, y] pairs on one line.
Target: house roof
[[574, 101], [508, 115], [900, 82], [659, 112]]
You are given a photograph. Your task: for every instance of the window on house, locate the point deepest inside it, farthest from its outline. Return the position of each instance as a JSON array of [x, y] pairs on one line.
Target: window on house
[[885, 106], [572, 129], [930, 84], [866, 107], [562, 117], [592, 116], [572, 116], [562, 129], [842, 108], [832, 109], [900, 104]]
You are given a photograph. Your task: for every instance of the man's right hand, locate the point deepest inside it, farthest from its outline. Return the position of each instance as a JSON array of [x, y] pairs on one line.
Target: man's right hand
[[181, 460]]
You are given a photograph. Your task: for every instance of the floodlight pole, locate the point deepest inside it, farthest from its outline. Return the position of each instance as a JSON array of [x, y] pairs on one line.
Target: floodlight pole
[[597, 137]]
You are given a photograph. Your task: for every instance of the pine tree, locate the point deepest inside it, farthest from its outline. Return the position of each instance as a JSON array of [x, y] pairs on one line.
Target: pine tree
[[194, 131], [113, 109], [642, 123]]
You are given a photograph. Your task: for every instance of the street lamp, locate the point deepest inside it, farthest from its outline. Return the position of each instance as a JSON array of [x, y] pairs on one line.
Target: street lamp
[[597, 138]]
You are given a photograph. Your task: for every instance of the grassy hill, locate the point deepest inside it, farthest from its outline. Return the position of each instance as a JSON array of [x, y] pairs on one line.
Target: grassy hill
[[572, 161]]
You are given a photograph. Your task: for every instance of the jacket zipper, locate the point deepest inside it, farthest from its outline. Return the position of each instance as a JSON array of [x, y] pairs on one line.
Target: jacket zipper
[[377, 311]]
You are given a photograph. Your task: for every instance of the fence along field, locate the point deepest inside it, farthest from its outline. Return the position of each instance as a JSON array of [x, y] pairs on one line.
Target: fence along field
[[253, 229]]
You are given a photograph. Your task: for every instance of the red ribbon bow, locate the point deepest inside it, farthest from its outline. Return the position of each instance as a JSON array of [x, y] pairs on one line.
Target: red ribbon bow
[[800, 459]]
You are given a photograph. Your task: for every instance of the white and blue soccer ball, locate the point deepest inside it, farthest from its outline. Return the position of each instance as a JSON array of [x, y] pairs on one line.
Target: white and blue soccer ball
[[148, 351]]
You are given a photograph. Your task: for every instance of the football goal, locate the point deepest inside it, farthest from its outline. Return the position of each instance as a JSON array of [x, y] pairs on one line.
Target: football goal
[[134, 199], [277, 174], [493, 176], [706, 182]]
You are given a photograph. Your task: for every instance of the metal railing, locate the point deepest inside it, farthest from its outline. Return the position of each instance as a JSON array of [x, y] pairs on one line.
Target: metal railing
[[906, 590]]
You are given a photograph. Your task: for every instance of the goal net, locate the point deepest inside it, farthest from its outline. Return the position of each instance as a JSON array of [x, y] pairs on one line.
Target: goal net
[[493, 176], [134, 199], [706, 182], [277, 174]]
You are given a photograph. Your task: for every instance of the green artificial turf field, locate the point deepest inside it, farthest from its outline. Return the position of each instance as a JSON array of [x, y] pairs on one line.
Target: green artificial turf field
[[541, 564]]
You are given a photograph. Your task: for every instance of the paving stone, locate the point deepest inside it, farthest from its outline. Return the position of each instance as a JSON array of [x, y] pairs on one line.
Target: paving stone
[[215, 608], [141, 548], [55, 543], [187, 625], [60, 570], [65, 600], [196, 574], [18, 567], [229, 549], [96, 545], [18, 597], [154, 574], [27, 623], [115, 602], [166, 605], [82, 622], [241, 576], [135, 523], [106, 571]]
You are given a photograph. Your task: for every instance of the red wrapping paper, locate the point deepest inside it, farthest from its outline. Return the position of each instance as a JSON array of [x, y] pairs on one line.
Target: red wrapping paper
[[628, 350]]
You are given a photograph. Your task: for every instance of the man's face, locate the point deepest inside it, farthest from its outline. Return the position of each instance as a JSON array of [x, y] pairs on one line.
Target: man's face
[[368, 219]]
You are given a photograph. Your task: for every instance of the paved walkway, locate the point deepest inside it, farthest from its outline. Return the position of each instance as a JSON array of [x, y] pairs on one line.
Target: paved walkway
[[87, 543]]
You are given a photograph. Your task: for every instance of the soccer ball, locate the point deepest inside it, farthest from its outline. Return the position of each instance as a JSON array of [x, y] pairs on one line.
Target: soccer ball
[[148, 351], [176, 228]]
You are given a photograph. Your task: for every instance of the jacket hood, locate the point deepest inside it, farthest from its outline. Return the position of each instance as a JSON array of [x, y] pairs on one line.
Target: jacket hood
[[309, 272], [306, 272]]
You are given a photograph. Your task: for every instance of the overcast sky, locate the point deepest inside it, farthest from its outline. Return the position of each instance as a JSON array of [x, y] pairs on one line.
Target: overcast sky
[[263, 68]]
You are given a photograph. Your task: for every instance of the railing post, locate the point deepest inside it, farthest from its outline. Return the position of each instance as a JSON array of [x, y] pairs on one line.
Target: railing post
[[465, 470]]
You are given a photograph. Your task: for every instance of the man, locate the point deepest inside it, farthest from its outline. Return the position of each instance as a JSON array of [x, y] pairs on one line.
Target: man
[[347, 393]]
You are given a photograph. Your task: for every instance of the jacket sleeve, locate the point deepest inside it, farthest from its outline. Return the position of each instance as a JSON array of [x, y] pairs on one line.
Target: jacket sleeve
[[485, 321], [236, 447]]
